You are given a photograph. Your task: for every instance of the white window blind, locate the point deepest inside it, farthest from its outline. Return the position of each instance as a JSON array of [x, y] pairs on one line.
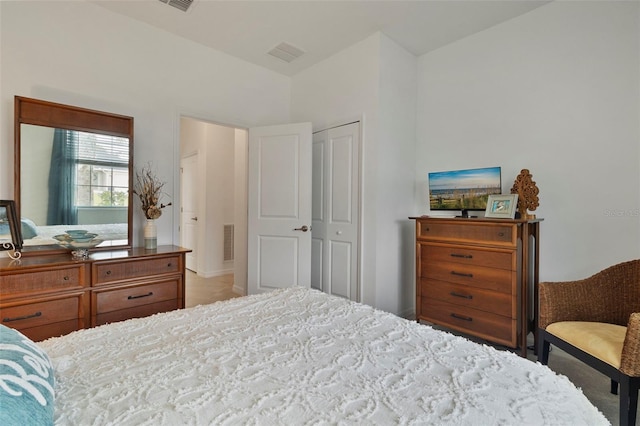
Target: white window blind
[[102, 149]]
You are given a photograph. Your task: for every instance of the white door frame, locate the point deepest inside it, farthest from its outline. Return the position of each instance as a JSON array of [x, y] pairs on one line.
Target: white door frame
[[240, 242]]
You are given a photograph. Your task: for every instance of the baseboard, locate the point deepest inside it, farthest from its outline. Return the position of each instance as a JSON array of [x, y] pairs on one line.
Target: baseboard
[[409, 314]]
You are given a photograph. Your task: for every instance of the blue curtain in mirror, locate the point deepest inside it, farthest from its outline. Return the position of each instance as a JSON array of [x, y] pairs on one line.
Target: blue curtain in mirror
[[62, 179]]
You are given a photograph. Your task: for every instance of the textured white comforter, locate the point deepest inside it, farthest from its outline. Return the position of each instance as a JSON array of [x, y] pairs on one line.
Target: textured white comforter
[[295, 357]]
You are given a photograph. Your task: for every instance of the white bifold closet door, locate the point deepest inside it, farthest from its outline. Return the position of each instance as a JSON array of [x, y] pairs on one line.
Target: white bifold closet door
[[335, 211]]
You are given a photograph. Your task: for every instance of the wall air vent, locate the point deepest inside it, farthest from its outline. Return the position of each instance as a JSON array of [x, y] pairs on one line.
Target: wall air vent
[[183, 5], [286, 52], [228, 242]]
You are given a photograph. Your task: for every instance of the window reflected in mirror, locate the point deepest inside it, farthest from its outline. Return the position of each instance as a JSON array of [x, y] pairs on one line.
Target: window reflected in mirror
[[75, 179]]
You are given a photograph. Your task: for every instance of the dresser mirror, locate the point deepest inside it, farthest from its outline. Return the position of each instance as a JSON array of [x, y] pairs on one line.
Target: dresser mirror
[[73, 171]]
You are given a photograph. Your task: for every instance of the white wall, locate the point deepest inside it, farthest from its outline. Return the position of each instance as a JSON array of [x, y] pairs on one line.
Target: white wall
[[35, 172], [351, 85], [555, 91], [395, 184], [219, 197], [81, 54]]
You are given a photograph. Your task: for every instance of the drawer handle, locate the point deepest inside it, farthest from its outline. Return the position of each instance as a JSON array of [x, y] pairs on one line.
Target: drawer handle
[[461, 274], [66, 278], [464, 296], [464, 256], [37, 314], [141, 295], [108, 273], [500, 234], [169, 265], [461, 317]]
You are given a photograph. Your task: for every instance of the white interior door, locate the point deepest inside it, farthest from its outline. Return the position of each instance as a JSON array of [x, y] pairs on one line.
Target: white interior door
[[318, 218], [189, 209], [336, 215], [279, 207]]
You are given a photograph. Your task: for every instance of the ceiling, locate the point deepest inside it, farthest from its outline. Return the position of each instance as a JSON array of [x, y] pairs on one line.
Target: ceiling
[[249, 29]]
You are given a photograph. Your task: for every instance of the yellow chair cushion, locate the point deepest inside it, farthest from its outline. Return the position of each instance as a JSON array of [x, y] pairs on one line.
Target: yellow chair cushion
[[603, 341]]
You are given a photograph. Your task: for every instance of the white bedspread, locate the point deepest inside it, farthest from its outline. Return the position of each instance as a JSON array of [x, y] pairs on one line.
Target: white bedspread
[[295, 357]]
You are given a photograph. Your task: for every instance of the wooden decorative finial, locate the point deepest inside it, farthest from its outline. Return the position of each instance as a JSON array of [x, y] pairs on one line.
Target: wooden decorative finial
[[527, 192]]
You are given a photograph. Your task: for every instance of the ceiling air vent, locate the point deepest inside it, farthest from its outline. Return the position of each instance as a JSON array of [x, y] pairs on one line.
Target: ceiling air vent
[[183, 5], [286, 52]]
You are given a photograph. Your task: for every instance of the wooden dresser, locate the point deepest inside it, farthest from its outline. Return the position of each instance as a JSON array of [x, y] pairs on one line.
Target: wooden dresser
[[45, 296], [477, 276]]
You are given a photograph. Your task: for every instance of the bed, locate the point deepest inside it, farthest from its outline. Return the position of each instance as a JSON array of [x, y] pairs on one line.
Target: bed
[[298, 356]]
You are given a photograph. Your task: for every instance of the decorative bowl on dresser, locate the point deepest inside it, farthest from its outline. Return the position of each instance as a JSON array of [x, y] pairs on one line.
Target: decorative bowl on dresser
[[50, 295], [478, 276]]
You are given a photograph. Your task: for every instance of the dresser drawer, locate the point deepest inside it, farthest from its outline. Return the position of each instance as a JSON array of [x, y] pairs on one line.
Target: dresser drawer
[[112, 271], [469, 232], [467, 255], [467, 320], [45, 312], [56, 329], [137, 312], [475, 276], [134, 296], [38, 281], [470, 297]]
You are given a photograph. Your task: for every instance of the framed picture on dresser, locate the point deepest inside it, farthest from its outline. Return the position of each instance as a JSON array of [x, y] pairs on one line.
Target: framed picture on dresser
[[502, 206], [10, 232]]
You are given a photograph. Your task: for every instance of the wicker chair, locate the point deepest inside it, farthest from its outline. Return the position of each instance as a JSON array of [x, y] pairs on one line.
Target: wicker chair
[[597, 320]]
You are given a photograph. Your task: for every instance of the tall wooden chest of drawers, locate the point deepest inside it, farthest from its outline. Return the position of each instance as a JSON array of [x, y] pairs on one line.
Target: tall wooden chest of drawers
[[477, 276], [50, 295]]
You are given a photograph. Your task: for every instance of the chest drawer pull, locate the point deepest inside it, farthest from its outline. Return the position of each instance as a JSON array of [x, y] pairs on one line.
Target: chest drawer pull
[[464, 296], [169, 265], [461, 274], [461, 317], [24, 317], [463, 256], [140, 296]]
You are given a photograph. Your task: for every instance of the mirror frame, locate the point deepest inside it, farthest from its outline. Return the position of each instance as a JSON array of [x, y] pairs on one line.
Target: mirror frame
[[50, 114], [14, 229]]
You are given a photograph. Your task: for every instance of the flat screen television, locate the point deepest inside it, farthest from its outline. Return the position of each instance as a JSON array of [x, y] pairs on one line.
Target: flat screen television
[[464, 190]]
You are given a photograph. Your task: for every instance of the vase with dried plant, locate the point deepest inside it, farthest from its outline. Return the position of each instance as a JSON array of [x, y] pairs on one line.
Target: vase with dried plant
[[148, 188]]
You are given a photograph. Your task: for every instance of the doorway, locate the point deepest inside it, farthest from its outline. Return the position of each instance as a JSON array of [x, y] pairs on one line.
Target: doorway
[[335, 270], [213, 161]]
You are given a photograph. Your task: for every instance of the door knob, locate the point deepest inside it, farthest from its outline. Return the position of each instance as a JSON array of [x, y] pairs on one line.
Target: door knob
[[304, 228]]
